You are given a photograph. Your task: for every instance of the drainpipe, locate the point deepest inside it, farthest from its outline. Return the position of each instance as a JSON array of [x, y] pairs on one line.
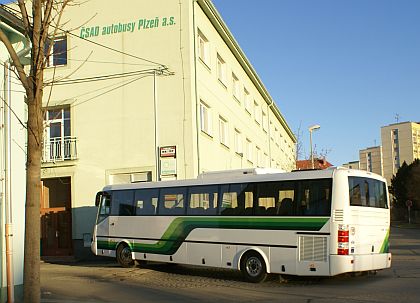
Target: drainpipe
[[155, 107], [197, 102], [269, 107], [8, 162], [8, 184]]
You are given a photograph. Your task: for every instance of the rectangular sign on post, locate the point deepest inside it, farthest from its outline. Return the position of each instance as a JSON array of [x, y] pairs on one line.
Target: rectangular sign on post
[[167, 151], [168, 167]]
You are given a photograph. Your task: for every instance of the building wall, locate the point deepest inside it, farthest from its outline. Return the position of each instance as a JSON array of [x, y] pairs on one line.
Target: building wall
[[400, 142], [114, 120], [115, 131], [352, 165], [257, 123], [371, 159], [13, 95]]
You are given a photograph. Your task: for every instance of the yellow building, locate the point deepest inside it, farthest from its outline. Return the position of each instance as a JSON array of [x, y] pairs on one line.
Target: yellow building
[[352, 165], [400, 142], [147, 90], [371, 160]]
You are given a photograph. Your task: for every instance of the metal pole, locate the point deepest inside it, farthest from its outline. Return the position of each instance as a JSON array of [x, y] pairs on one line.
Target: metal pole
[[156, 125], [312, 154]]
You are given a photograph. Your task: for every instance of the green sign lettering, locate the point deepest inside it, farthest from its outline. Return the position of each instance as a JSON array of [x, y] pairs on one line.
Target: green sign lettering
[[126, 27]]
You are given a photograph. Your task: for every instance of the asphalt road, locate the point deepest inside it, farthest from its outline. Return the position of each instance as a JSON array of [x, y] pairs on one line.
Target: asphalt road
[[107, 282]]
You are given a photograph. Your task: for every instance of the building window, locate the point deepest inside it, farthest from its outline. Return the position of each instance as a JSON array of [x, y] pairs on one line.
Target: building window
[[236, 89], [248, 101], [221, 70], [259, 156], [369, 162], [238, 141], [276, 136], [248, 150], [257, 113], [58, 53], [205, 113], [223, 131], [58, 143], [264, 121], [203, 48]]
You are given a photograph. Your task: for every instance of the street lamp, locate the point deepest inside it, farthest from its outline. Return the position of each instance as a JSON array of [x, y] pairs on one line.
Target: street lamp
[[311, 129]]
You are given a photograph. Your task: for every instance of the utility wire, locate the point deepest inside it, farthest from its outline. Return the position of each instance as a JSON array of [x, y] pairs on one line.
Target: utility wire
[[110, 62], [104, 77], [110, 90]]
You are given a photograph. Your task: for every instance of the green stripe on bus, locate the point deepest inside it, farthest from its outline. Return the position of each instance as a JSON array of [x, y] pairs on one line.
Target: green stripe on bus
[[385, 244], [181, 227]]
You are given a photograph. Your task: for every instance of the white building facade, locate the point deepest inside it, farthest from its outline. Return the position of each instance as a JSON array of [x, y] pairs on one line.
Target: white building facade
[[12, 157], [147, 90]]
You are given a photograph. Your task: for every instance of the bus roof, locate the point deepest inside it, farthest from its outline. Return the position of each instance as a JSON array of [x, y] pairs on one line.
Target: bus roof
[[246, 175]]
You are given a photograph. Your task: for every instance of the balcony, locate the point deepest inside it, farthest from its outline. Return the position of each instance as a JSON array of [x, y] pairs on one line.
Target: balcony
[[59, 149]]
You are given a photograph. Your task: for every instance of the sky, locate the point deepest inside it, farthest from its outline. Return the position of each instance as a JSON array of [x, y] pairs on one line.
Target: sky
[[349, 66]]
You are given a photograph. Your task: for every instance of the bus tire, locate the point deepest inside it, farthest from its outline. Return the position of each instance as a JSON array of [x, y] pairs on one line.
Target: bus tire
[[253, 267], [124, 257]]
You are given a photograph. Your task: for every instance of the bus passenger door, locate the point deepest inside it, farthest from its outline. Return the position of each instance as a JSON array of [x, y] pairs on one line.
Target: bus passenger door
[[101, 232]]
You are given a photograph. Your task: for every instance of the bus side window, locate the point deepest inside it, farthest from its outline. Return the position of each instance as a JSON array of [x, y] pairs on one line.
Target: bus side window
[[228, 201], [202, 200], [145, 202], [237, 200], [172, 201], [285, 204], [122, 203], [315, 197], [266, 200]]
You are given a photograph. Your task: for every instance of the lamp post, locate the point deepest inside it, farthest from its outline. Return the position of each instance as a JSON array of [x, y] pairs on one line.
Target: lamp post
[[311, 129]]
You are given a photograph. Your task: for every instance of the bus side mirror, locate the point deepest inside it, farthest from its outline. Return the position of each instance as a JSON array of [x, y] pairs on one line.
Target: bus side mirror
[[98, 198]]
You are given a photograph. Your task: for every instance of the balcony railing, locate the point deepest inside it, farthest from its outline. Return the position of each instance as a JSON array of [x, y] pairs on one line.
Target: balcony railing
[[60, 149]]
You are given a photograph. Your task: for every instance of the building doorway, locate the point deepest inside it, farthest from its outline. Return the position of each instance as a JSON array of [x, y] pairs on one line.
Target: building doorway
[[56, 220]]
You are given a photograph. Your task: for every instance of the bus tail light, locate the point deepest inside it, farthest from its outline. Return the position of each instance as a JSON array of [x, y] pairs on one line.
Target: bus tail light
[[343, 239]]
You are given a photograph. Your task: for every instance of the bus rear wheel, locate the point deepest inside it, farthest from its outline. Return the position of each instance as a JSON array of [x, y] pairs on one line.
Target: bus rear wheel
[[253, 267], [124, 257]]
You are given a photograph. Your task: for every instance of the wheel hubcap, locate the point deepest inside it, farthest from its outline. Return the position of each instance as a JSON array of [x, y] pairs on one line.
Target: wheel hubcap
[[253, 266], [126, 255]]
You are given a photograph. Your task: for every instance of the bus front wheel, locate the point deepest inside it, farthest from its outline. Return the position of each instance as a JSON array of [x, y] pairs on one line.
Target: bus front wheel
[[253, 267], [124, 257]]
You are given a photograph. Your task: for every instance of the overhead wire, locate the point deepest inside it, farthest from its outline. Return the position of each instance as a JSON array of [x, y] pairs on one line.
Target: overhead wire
[[108, 91], [101, 78]]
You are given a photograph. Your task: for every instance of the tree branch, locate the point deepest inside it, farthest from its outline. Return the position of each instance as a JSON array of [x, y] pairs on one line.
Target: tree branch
[[25, 17]]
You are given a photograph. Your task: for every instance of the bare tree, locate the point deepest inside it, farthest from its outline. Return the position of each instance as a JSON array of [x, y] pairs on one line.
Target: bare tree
[[299, 143], [40, 27]]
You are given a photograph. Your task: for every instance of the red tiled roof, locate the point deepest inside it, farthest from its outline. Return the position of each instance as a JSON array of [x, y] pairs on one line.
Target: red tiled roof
[[318, 164]]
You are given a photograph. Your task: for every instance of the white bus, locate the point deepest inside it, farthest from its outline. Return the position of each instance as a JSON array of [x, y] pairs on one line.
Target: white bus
[[306, 223]]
